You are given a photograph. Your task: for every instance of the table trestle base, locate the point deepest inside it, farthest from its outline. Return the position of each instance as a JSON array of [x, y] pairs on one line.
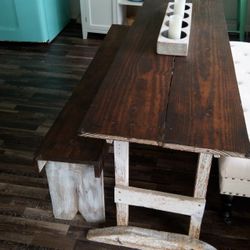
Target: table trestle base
[[121, 158], [167, 202], [126, 195], [146, 239], [200, 190]]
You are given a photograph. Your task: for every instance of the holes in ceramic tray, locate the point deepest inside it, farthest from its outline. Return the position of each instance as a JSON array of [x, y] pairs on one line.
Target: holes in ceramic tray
[[186, 15], [170, 13], [165, 34], [184, 24], [171, 6]]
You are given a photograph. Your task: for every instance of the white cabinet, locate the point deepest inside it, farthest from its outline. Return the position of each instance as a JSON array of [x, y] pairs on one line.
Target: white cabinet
[[99, 15]]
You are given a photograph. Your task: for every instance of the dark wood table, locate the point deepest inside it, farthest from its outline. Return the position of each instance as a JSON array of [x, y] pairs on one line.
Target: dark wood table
[[184, 103]]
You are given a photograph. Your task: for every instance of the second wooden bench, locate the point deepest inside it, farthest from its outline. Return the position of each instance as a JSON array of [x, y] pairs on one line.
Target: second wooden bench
[[73, 164]]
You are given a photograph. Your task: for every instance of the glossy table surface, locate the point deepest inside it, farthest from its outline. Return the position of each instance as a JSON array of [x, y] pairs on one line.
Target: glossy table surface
[[186, 103]]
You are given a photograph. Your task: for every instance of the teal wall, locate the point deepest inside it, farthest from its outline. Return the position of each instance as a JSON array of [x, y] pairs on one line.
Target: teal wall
[[32, 20], [58, 13]]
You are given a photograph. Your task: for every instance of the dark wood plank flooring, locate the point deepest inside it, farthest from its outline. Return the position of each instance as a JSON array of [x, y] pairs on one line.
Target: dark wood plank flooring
[[35, 82]]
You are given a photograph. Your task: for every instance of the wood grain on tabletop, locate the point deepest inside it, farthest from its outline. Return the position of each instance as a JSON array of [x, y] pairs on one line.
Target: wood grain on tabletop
[[198, 109], [132, 100], [62, 142], [204, 107]]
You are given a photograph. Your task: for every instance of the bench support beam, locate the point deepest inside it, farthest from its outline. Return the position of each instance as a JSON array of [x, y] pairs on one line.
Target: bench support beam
[[159, 200]]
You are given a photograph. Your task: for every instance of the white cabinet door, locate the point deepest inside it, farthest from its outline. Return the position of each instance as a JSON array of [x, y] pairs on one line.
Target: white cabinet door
[[97, 15]]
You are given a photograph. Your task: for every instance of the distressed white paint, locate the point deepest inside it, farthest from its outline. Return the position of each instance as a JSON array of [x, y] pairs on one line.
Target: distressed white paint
[[41, 165], [202, 175], [146, 239], [109, 141], [200, 190], [63, 190], [74, 187], [166, 145], [195, 226], [158, 200], [91, 195], [121, 159]]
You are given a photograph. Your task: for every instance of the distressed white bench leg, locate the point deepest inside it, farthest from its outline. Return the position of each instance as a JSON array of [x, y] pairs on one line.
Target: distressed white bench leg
[[74, 187], [121, 155], [200, 190], [91, 195], [63, 190]]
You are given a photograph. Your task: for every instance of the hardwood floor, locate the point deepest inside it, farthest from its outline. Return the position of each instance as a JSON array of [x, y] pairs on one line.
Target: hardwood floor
[[35, 82]]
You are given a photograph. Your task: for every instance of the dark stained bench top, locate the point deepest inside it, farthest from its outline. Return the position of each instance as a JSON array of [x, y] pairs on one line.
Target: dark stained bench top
[[61, 142], [187, 103]]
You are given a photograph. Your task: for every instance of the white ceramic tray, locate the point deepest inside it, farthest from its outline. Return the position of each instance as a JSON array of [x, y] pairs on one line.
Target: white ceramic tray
[[176, 47]]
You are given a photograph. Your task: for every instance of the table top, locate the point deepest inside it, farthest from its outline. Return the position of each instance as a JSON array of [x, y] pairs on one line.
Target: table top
[[186, 103]]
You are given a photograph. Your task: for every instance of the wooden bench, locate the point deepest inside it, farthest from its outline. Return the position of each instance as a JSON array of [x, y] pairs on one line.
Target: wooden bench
[[73, 164]]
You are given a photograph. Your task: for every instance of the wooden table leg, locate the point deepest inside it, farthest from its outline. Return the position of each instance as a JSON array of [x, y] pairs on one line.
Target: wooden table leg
[[73, 188], [121, 155], [200, 191], [145, 239]]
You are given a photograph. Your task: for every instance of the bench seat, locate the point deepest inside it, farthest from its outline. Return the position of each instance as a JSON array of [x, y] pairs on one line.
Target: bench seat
[[234, 173], [74, 164]]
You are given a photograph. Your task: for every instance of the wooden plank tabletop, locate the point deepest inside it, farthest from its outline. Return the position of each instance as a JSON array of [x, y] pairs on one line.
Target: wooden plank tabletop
[[62, 142], [132, 100], [189, 103], [204, 104]]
